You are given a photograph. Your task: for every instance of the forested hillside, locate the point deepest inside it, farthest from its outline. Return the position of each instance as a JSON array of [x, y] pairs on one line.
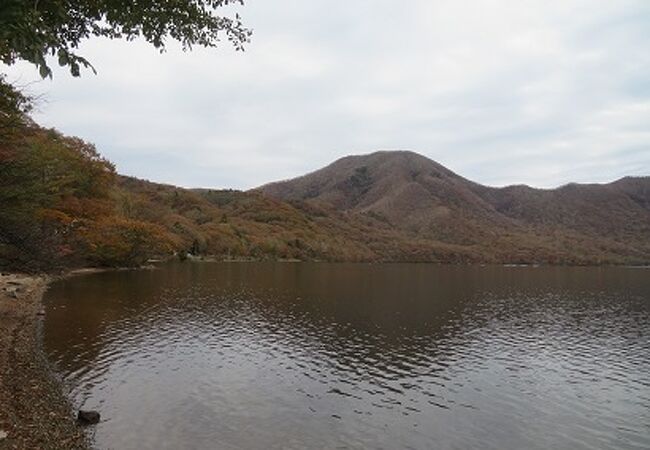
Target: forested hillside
[[608, 223], [63, 205]]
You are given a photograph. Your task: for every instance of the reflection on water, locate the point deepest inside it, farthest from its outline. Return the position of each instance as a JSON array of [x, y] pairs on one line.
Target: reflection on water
[[272, 355]]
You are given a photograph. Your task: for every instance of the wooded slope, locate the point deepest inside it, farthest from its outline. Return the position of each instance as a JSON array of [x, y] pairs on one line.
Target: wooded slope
[[572, 224]]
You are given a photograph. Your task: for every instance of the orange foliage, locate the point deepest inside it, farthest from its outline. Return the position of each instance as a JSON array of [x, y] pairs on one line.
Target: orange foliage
[[116, 241]]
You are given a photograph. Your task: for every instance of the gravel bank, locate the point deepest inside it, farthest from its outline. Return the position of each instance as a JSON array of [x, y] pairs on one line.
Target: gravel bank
[[34, 412]]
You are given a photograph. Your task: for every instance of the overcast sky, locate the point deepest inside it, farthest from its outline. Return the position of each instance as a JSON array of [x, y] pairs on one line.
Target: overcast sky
[[537, 92]]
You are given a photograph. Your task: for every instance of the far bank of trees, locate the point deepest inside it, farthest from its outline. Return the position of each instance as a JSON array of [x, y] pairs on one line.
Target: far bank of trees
[[63, 205], [56, 203]]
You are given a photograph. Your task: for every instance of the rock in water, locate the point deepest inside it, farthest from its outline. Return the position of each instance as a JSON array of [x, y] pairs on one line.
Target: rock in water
[[87, 417]]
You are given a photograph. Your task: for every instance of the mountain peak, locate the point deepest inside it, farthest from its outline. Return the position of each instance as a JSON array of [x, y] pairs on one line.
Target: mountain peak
[[354, 176], [394, 158], [399, 187], [412, 193]]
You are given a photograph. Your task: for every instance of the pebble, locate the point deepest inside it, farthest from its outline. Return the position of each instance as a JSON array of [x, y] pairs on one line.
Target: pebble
[[3, 435], [88, 417]]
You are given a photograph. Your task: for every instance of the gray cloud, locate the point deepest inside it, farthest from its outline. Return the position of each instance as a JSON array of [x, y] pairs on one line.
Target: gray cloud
[[537, 92]]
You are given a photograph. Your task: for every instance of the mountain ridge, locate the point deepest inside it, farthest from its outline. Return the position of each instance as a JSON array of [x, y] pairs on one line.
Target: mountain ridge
[[412, 152], [382, 207], [421, 197]]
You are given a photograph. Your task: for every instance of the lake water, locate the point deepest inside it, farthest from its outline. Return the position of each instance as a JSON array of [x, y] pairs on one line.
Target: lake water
[[356, 356]]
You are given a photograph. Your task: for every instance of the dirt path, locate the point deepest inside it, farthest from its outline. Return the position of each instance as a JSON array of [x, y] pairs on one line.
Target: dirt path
[[34, 412]]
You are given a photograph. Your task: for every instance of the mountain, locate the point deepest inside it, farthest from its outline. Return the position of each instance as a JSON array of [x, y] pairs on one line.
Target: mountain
[[421, 199], [80, 212], [405, 189], [386, 206], [63, 205]]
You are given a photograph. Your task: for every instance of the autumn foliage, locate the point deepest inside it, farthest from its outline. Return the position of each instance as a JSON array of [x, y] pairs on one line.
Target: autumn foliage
[[63, 205], [57, 206], [115, 241]]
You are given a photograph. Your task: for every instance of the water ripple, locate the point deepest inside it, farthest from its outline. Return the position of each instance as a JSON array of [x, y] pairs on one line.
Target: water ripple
[[327, 356]]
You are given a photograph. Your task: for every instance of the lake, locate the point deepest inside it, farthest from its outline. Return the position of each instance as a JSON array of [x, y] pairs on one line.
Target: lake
[[357, 356]]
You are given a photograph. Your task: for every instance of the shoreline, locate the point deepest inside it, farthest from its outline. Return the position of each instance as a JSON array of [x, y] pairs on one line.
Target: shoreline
[[36, 412]]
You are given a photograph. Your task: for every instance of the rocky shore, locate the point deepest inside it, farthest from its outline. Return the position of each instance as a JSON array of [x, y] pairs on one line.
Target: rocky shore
[[34, 412]]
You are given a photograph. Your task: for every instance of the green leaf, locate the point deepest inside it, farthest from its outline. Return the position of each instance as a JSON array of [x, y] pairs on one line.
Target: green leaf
[[44, 71], [63, 58]]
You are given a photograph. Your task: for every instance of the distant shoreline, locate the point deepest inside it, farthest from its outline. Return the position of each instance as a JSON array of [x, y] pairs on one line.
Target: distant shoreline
[[249, 259]]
